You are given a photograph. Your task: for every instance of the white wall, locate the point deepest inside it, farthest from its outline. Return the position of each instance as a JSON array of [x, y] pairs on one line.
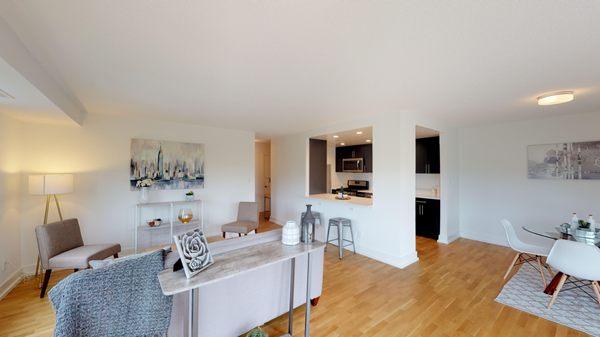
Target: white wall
[[10, 250], [494, 183], [98, 154], [384, 231]]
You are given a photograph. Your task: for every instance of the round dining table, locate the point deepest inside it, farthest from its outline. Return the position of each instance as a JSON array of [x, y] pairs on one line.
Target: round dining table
[[560, 234]]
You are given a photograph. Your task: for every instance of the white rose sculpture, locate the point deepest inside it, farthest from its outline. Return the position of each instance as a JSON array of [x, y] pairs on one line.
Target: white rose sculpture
[[193, 251]]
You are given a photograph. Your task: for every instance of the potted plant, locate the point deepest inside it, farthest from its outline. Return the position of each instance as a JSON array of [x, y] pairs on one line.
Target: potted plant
[[189, 196], [144, 186], [257, 332]]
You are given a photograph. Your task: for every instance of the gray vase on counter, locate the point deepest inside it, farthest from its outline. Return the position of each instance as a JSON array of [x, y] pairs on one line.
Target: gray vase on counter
[[307, 232]]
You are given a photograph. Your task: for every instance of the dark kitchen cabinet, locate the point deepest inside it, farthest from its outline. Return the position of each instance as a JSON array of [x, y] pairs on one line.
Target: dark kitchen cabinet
[[355, 151], [428, 218], [428, 155]]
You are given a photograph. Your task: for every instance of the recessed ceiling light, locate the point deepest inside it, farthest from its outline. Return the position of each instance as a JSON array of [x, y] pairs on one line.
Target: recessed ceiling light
[[359, 132], [368, 140], [336, 136], [342, 144], [556, 98]]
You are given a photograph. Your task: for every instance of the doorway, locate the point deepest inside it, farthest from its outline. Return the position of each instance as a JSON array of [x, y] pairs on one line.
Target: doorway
[[427, 183], [262, 162]]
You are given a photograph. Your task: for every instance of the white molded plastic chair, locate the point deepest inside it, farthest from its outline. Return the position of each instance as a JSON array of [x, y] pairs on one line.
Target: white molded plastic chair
[[526, 252], [576, 259]]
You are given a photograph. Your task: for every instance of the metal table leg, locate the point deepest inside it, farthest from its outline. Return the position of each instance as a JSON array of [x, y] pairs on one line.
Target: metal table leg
[[341, 240], [307, 317], [192, 315], [291, 311]]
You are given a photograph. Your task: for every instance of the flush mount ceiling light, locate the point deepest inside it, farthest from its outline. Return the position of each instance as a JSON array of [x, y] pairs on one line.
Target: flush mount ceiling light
[[342, 144], [368, 140], [359, 132], [336, 136], [558, 97]]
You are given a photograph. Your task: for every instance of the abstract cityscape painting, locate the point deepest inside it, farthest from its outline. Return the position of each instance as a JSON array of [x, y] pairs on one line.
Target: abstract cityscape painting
[[565, 161], [166, 165]]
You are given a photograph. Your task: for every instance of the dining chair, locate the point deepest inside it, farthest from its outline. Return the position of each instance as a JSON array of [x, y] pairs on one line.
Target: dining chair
[[578, 260], [527, 252]]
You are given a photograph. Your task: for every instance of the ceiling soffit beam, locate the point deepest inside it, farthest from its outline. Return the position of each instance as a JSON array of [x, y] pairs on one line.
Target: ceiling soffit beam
[[14, 52]]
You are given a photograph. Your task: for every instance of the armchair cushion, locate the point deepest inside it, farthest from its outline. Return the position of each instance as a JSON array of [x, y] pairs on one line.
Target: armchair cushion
[[79, 257], [243, 227]]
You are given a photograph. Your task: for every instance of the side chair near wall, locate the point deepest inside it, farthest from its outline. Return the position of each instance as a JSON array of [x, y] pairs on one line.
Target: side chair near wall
[[526, 252], [577, 260], [247, 220], [61, 247]]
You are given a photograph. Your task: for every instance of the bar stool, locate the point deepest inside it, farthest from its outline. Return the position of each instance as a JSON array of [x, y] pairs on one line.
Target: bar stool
[[340, 223]]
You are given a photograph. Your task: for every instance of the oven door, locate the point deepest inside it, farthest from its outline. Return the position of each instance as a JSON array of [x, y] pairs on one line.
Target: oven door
[[352, 165]]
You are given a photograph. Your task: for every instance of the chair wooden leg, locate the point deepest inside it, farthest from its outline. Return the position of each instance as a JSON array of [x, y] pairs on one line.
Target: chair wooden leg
[[240, 235], [539, 261], [45, 284], [548, 268], [558, 287], [116, 255], [75, 270], [512, 265], [596, 287], [223, 235]]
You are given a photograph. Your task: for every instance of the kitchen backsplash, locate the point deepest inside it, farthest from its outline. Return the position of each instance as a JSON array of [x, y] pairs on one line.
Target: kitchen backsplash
[[427, 181], [341, 178]]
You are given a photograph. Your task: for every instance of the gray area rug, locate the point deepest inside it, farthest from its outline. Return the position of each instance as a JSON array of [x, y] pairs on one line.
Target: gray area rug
[[572, 308]]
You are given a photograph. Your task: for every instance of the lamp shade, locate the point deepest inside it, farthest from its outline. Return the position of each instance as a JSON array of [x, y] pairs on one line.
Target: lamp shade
[[45, 184]]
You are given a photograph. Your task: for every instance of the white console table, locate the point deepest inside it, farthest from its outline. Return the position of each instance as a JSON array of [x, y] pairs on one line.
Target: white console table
[[170, 225], [236, 262]]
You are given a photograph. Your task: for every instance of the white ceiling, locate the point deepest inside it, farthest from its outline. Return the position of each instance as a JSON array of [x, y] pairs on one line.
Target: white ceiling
[[278, 67], [349, 137], [26, 102]]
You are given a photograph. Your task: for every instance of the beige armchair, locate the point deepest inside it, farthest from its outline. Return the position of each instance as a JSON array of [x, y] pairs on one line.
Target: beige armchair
[[247, 220], [61, 247]]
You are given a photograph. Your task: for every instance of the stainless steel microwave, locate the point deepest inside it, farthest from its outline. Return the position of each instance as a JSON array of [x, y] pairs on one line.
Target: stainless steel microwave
[[353, 165]]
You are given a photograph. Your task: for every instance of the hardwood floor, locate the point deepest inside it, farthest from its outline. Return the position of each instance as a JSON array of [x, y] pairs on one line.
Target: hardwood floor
[[449, 292]]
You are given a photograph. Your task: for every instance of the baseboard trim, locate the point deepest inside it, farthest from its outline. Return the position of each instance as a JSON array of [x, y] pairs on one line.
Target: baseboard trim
[[11, 282], [401, 262], [484, 237], [276, 221], [450, 239]]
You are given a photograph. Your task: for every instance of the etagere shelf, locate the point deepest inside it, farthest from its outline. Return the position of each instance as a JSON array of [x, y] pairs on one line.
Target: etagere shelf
[[146, 236]]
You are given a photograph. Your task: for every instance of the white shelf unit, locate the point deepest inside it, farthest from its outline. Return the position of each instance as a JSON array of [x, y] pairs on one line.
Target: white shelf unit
[[167, 211]]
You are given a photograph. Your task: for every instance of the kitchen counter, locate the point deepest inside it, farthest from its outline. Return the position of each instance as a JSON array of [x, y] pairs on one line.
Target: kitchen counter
[[427, 196], [353, 200]]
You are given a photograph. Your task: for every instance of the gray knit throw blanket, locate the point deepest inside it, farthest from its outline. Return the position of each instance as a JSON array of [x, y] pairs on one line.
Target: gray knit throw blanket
[[121, 299]]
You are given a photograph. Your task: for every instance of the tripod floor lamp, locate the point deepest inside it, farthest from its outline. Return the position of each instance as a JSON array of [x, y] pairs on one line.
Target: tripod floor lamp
[[50, 185]]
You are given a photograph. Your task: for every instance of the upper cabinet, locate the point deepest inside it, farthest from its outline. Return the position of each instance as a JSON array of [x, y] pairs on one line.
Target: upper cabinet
[[354, 152], [428, 155]]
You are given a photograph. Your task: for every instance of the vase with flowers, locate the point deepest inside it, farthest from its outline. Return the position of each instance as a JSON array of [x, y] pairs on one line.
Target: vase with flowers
[[144, 186]]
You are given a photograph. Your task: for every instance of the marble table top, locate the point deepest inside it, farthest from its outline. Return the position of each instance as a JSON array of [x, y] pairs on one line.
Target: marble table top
[[233, 263]]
